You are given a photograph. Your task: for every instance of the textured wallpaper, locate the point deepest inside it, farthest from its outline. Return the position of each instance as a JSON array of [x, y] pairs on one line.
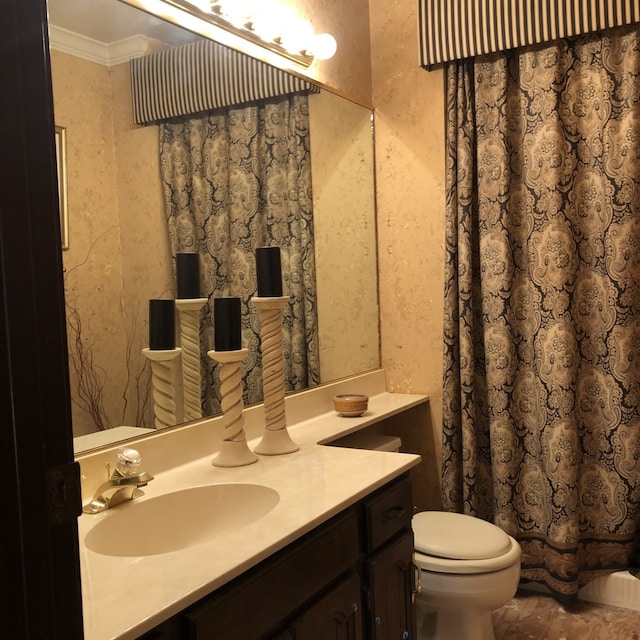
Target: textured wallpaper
[[409, 104], [345, 236], [112, 209]]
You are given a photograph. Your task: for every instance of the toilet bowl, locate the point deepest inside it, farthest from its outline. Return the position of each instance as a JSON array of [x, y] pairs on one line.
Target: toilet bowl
[[468, 568]]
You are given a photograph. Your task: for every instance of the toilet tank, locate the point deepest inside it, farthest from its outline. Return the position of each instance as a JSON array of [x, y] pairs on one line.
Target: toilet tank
[[372, 441]]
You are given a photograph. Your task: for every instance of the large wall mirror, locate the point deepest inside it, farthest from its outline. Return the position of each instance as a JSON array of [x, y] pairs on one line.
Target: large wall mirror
[[118, 254]]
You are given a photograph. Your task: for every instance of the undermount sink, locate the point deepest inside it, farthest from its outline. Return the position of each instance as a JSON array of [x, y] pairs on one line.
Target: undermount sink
[[179, 519]]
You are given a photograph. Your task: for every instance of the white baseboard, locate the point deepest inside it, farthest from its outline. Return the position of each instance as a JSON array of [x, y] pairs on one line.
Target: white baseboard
[[619, 589]]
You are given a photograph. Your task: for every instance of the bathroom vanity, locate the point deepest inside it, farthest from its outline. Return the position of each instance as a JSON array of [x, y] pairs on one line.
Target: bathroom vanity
[[331, 556], [350, 578]]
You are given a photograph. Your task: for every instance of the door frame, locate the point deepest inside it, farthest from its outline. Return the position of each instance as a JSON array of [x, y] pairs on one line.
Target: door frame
[[39, 503]]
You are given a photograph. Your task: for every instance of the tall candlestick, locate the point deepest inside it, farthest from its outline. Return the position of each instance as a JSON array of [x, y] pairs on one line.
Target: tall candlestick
[[269, 272], [234, 451], [276, 439], [189, 311], [162, 325], [227, 324], [188, 275], [164, 406]]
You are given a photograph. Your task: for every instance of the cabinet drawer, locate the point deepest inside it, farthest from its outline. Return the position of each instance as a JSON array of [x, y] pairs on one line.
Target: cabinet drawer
[[387, 512]]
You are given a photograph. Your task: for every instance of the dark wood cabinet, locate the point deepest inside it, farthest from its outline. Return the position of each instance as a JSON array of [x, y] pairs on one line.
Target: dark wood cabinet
[[387, 570], [255, 605], [348, 579]]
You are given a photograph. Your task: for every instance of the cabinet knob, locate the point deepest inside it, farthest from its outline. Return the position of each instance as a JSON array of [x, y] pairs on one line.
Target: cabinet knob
[[354, 606], [405, 635], [378, 621]]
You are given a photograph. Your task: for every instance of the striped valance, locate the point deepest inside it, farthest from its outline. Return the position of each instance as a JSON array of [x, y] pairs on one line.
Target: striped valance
[[454, 29], [202, 76]]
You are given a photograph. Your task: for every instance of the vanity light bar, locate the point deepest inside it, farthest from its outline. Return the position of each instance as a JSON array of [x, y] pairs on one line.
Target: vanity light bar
[[257, 24]]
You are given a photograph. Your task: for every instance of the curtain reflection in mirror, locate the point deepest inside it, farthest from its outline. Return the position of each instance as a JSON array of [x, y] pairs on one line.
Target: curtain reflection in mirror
[[234, 180]]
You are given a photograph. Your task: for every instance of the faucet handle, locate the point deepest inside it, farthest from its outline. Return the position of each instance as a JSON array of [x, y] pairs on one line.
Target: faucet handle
[[128, 461]]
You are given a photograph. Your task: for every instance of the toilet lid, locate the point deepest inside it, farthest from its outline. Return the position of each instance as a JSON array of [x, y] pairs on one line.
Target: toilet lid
[[457, 536]]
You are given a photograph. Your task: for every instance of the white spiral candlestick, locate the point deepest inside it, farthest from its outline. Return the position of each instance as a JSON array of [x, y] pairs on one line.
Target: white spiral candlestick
[[276, 439], [164, 406], [189, 315], [234, 451]]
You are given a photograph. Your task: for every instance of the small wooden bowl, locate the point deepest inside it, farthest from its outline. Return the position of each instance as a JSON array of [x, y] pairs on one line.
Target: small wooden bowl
[[350, 404]]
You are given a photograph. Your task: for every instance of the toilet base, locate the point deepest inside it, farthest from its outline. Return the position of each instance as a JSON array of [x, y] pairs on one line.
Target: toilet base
[[455, 625], [459, 606]]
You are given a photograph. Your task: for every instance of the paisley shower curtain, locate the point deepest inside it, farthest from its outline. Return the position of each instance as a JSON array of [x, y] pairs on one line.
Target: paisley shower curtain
[[542, 302], [235, 180]]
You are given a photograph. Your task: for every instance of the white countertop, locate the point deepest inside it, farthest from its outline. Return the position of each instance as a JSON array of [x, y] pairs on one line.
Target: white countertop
[[123, 597]]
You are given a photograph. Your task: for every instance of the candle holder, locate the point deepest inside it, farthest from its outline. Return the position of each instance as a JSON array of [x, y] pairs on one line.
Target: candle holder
[[164, 406], [189, 314], [234, 451], [276, 439]]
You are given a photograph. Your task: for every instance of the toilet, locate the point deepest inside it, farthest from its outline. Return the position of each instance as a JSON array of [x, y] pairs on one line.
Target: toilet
[[468, 568]]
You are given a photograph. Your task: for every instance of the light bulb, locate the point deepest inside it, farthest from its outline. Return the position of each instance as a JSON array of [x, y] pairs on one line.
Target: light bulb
[[266, 24], [324, 46], [298, 35]]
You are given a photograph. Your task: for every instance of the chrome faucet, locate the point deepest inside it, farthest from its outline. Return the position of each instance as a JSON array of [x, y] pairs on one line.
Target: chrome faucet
[[123, 484]]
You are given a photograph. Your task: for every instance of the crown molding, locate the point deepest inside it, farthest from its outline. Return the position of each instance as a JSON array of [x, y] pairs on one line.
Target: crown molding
[[95, 51]]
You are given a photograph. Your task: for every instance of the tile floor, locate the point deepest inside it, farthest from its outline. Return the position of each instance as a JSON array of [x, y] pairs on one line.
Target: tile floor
[[537, 616]]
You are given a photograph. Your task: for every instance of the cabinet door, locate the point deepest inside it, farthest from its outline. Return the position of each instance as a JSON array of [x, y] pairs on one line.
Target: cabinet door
[[336, 616], [263, 599], [389, 587]]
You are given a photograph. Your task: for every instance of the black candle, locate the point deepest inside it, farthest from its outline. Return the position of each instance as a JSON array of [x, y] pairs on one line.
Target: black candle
[[227, 332], [162, 325], [269, 272], [188, 275]]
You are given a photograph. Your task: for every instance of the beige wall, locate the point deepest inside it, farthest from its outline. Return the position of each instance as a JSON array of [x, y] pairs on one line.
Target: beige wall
[[409, 125], [147, 264], [145, 245], [344, 236], [107, 245], [409, 107], [93, 268]]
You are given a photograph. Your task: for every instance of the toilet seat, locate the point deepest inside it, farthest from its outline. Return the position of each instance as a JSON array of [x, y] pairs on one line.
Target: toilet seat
[[457, 543]]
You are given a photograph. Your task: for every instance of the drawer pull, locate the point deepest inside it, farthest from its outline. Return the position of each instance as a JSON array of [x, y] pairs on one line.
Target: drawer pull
[[392, 514]]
